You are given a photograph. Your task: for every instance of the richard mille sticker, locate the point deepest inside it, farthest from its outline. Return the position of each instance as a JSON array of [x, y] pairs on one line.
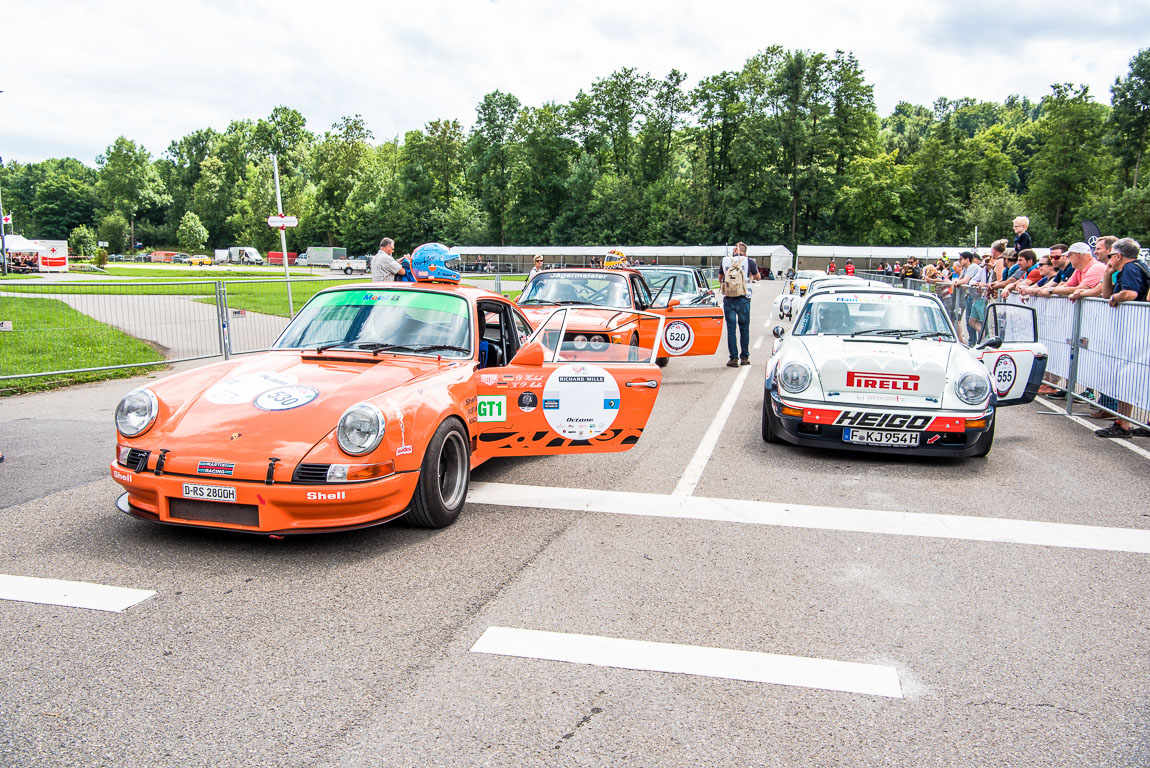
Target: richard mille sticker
[[528, 402], [580, 401]]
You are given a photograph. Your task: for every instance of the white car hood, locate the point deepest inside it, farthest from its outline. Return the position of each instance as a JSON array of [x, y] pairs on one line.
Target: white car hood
[[873, 372]]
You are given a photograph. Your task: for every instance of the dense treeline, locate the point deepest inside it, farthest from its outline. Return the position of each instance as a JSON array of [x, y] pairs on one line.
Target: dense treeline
[[788, 149]]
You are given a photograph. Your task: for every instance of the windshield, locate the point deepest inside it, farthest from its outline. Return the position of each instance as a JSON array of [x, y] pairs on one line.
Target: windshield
[[602, 290], [807, 274], [678, 282], [409, 321], [872, 314]]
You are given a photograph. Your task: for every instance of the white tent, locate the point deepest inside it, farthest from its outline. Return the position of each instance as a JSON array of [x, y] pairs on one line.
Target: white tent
[[21, 244]]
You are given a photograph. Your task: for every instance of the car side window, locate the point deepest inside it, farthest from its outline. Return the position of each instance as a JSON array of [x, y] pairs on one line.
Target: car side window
[[642, 295], [522, 329]]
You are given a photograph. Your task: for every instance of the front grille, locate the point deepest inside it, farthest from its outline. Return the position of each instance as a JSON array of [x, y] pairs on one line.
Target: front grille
[[311, 474], [137, 459], [214, 512]]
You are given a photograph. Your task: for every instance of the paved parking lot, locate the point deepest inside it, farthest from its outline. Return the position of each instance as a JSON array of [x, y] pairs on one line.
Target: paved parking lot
[[676, 605]]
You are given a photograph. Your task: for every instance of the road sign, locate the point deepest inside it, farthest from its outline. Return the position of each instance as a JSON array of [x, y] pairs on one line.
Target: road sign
[[102, 244], [283, 221]]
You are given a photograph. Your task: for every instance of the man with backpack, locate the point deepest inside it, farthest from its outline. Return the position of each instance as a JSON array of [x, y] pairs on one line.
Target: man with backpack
[[734, 276]]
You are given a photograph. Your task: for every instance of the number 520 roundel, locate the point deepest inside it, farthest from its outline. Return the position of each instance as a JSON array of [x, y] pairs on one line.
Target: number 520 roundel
[[377, 402], [875, 368]]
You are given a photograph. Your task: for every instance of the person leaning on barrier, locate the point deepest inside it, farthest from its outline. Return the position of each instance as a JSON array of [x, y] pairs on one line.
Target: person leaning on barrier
[[1087, 274], [1061, 259], [998, 258], [1026, 274], [1126, 279]]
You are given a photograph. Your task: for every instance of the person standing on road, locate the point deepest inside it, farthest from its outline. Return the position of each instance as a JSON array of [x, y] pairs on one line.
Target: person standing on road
[[734, 274], [383, 267]]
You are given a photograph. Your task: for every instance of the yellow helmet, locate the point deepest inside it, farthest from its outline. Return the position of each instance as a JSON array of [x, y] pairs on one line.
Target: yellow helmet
[[615, 258]]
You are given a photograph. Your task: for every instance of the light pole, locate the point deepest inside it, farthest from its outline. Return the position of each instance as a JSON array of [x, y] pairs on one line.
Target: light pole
[[3, 245]]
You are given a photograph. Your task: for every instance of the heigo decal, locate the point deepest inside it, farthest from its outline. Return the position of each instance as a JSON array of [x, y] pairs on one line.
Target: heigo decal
[[678, 337], [580, 401]]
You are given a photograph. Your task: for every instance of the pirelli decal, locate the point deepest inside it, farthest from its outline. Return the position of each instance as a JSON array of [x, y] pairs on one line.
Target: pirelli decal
[[912, 422]]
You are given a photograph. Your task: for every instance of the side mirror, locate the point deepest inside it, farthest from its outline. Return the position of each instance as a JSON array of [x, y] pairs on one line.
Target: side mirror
[[779, 332], [530, 354], [672, 303], [994, 342]]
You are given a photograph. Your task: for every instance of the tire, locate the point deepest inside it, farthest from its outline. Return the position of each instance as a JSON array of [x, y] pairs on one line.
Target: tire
[[443, 478], [633, 352], [769, 434], [988, 441], [347, 270], [662, 361]]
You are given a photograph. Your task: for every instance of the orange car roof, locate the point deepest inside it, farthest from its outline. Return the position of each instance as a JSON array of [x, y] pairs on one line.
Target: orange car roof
[[463, 289]]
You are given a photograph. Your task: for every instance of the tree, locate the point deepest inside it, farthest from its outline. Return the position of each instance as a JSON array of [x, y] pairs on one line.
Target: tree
[[873, 199], [62, 203], [128, 180], [82, 241], [192, 236], [114, 230], [1130, 116], [489, 153]]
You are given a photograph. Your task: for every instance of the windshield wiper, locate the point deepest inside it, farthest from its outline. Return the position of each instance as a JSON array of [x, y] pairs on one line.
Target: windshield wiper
[[425, 348], [571, 302], [537, 301], [329, 345], [376, 347], [933, 334], [885, 332]]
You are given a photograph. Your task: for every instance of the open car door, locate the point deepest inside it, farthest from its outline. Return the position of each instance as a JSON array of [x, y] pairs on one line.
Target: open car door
[[688, 329], [569, 391], [1015, 367]]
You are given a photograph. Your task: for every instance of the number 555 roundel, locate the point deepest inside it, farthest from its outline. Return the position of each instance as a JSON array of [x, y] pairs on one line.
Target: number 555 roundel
[[375, 402]]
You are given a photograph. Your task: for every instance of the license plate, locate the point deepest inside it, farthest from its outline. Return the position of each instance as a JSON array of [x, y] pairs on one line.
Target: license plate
[[880, 437], [209, 492]]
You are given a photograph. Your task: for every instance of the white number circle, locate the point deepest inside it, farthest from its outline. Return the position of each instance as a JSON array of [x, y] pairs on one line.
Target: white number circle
[[285, 398], [678, 337], [580, 401], [1005, 372]]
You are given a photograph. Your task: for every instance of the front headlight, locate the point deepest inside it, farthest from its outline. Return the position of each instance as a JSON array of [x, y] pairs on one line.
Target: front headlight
[[972, 388], [598, 343], [580, 341], [795, 377], [136, 412], [360, 429]]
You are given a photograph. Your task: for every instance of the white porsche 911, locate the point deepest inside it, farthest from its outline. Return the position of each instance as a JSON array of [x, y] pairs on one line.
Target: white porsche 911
[[878, 368]]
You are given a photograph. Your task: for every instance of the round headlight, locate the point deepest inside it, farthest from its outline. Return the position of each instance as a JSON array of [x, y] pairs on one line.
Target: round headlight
[[136, 412], [360, 429], [580, 341], [795, 377], [598, 343], [972, 388]]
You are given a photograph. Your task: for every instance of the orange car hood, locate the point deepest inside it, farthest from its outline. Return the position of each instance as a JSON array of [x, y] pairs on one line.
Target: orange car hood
[[211, 415]]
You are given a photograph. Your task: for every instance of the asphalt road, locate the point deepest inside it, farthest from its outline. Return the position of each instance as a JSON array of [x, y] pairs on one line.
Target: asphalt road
[[354, 649]]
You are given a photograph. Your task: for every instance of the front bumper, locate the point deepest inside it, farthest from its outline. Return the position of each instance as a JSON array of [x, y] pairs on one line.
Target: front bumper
[[282, 508], [941, 433]]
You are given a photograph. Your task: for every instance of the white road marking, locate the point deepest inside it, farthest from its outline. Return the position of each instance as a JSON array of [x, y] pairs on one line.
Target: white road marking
[[73, 594], [694, 471], [759, 342], [1094, 427], [964, 527], [802, 671]]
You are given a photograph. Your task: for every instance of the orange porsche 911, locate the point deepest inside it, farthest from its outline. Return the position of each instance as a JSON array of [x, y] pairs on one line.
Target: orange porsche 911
[[688, 330], [375, 402]]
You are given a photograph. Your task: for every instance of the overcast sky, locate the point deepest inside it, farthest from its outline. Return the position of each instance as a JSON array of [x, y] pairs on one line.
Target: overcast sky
[[76, 75]]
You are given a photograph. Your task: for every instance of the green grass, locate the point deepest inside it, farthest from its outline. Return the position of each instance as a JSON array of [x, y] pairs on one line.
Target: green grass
[[48, 335], [20, 277], [190, 273]]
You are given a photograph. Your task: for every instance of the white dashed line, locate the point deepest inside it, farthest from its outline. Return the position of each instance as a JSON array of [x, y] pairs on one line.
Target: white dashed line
[[72, 594], [802, 671], [964, 527], [759, 342], [694, 471]]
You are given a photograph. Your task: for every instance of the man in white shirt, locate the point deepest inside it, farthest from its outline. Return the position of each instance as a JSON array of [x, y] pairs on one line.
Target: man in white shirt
[[737, 306], [383, 267]]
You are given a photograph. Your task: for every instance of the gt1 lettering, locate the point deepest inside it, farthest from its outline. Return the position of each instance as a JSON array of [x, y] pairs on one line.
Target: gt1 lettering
[[491, 408]]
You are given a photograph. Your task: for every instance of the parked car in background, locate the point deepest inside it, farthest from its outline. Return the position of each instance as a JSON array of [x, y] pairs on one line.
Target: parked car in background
[[687, 284], [200, 260]]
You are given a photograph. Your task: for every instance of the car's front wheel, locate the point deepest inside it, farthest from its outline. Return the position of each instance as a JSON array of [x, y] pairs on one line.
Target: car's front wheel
[[347, 270], [769, 434], [443, 478], [987, 441]]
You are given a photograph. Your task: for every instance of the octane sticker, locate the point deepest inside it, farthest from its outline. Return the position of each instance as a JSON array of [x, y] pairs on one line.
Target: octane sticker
[[241, 389], [580, 401], [1005, 372], [678, 337], [285, 398], [492, 408]]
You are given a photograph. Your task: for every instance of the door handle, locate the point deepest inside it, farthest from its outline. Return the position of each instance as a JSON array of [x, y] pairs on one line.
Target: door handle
[[652, 384]]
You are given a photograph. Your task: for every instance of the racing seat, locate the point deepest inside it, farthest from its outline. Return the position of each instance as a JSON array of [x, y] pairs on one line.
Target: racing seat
[[833, 318], [490, 352], [561, 292]]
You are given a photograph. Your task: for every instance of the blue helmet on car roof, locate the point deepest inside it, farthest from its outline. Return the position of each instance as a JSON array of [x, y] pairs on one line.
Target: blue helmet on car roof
[[434, 263]]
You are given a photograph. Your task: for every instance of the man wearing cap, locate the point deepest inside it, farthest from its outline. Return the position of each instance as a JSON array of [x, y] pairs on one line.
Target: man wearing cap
[[1087, 274], [1126, 279]]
